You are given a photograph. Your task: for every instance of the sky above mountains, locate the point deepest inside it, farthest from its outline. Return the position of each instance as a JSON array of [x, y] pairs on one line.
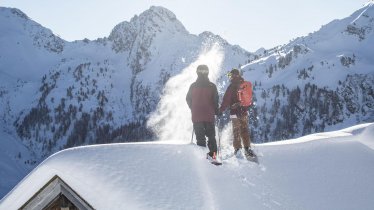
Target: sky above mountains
[[248, 23]]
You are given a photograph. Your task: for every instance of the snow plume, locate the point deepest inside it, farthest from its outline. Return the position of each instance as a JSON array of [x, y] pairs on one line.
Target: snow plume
[[172, 118]]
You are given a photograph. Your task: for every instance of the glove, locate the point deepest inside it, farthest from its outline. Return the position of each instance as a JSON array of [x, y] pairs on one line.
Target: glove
[[236, 105]]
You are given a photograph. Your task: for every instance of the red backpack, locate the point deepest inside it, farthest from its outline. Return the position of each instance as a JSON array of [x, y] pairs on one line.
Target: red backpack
[[245, 93]]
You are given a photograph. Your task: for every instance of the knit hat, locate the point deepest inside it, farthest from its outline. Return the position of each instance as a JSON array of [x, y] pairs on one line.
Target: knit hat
[[235, 72]]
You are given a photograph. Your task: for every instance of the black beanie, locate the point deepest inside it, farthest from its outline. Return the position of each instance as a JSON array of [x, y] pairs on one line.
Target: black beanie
[[202, 69], [235, 72]]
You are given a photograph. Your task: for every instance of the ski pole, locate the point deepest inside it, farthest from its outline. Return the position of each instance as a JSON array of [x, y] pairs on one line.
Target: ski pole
[[219, 138], [193, 130]]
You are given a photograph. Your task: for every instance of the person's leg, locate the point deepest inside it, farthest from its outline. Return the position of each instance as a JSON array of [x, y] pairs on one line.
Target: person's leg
[[200, 134], [211, 134], [236, 131], [244, 131]]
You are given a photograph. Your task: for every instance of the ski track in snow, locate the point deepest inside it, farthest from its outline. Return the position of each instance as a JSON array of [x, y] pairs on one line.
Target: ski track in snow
[[249, 174]]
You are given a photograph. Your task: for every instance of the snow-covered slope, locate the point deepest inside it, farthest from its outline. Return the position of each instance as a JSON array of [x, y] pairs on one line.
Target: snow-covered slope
[[14, 164], [325, 171], [27, 50]]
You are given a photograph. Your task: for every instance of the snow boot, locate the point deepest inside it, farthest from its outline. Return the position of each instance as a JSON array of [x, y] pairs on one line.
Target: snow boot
[[212, 157], [248, 152], [250, 155], [236, 151]]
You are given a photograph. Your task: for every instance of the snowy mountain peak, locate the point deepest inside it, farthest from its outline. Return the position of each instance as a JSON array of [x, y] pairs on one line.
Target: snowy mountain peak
[[146, 35], [145, 27], [366, 12], [362, 22], [158, 19], [370, 3], [4, 11], [209, 36], [17, 25], [161, 12]]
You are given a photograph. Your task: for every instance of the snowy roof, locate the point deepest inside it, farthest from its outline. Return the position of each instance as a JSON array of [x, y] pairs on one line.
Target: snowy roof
[[324, 171]]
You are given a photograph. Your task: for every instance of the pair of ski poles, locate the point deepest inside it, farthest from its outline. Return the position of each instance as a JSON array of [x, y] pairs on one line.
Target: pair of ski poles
[[219, 137]]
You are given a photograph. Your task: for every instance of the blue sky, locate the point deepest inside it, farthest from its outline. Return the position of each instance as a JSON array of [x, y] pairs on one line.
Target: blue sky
[[249, 23]]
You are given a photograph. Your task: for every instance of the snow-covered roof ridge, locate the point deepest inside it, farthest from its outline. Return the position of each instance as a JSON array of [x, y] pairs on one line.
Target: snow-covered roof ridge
[[170, 176], [351, 131]]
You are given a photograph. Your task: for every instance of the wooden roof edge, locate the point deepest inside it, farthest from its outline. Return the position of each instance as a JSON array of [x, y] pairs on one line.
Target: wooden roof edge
[[80, 199]]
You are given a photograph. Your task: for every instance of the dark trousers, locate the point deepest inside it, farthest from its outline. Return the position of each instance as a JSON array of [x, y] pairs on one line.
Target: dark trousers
[[207, 129]]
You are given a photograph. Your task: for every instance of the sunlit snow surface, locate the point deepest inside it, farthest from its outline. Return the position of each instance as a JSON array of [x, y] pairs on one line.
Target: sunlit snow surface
[[333, 172]]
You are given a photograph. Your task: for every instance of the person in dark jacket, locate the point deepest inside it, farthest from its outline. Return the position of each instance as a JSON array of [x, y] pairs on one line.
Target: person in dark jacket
[[238, 114], [202, 98]]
